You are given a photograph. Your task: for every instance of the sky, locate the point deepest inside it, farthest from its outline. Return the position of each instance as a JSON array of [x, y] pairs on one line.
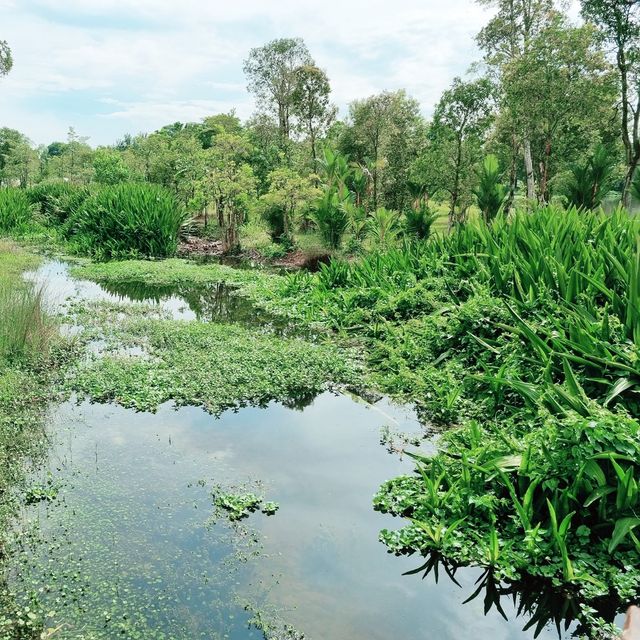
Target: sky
[[110, 67]]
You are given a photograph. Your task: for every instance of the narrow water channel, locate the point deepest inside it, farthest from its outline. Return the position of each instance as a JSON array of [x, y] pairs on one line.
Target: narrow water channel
[[132, 545]]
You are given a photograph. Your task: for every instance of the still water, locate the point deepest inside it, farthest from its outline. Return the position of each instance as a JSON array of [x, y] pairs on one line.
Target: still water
[[132, 545]]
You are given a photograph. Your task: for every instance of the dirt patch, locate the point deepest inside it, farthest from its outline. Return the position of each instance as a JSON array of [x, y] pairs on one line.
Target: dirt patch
[[194, 245], [301, 260]]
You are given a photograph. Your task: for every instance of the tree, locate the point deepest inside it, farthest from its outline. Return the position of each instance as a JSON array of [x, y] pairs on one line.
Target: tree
[[385, 134], [229, 184], [6, 59], [505, 38], [562, 92], [109, 167], [460, 121], [311, 104], [18, 160], [288, 194], [619, 25], [271, 74]]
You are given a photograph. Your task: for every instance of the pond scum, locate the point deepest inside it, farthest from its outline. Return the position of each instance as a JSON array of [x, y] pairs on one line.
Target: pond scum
[[520, 337]]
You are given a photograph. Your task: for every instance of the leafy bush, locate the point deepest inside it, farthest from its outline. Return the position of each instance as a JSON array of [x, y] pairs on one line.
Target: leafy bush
[[589, 183], [15, 209], [384, 226], [490, 192], [129, 219], [330, 215], [418, 221], [274, 216]]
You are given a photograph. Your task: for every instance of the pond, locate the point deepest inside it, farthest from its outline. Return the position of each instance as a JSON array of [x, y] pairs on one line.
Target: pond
[[130, 542]]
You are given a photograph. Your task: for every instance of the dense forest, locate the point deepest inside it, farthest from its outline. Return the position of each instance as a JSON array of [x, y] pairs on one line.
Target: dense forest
[[478, 268]]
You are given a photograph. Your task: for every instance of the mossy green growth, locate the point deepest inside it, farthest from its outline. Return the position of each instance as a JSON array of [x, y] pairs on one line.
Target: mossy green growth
[[174, 271], [216, 366]]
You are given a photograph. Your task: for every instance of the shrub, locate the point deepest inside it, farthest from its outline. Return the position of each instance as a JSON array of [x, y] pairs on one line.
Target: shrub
[[273, 215], [419, 220], [330, 215], [491, 193], [15, 209], [129, 219], [589, 183], [58, 201]]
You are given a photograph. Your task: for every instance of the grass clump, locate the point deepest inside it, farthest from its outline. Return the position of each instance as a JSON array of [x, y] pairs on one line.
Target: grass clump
[[15, 209], [128, 220]]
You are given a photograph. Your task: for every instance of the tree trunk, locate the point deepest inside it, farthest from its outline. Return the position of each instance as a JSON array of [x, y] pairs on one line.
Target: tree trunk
[[528, 166], [513, 175], [455, 192]]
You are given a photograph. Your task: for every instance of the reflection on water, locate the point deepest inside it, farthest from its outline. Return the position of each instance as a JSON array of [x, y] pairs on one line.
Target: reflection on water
[[207, 303], [538, 604], [130, 547]]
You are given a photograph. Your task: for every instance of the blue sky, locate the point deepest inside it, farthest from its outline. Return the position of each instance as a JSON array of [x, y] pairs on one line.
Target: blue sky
[[108, 67]]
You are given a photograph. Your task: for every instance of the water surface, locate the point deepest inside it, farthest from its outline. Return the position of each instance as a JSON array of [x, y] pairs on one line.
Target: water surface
[[132, 546]]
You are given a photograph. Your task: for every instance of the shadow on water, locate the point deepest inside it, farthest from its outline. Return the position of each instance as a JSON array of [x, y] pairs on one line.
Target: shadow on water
[[535, 601], [209, 303], [216, 302]]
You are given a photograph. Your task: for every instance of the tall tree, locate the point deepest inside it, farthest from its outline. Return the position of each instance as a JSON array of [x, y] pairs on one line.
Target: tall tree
[[311, 104], [271, 74], [18, 160], [385, 134], [506, 37], [6, 59], [562, 92], [619, 24], [460, 121]]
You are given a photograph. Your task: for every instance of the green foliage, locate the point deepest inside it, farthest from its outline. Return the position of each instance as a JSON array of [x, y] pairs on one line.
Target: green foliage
[[216, 366], [419, 220], [384, 226], [59, 202], [109, 167], [589, 183], [15, 209], [330, 215], [635, 186], [490, 192], [129, 219], [523, 335], [238, 506]]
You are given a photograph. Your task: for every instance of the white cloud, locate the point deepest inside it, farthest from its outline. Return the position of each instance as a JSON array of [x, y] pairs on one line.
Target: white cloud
[[182, 59]]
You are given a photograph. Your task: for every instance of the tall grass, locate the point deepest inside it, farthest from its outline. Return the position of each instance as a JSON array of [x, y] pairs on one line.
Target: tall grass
[[15, 209], [25, 329], [129, 220], [58, 201]]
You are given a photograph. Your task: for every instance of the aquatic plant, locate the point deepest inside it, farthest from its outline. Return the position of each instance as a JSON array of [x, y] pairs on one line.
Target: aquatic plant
[[523, 335]]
